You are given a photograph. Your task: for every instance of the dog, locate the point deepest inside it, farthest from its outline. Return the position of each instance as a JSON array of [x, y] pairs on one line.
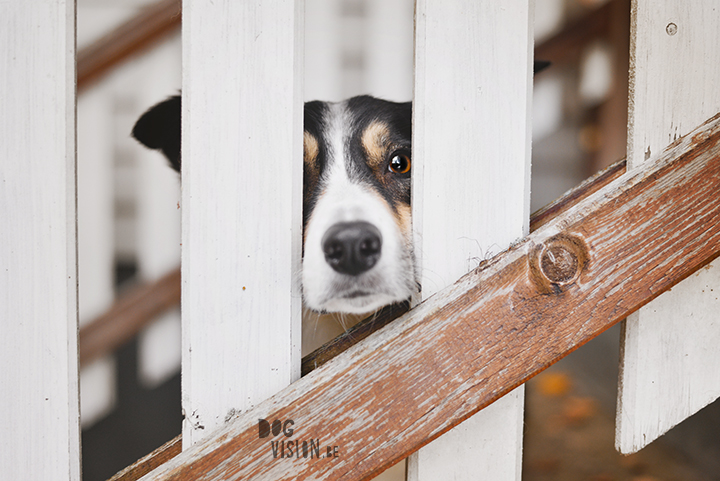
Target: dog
[[357, 239], [357, 236]]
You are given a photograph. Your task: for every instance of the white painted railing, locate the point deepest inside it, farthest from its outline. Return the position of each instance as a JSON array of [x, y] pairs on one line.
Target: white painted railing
[[471, 189], [241, 208], [671, 346], [38, 273]]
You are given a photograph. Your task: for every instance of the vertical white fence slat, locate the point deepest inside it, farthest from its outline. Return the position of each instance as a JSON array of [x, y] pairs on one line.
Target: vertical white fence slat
[[471, 147], [670, 347], [38, 273], [241, 202]]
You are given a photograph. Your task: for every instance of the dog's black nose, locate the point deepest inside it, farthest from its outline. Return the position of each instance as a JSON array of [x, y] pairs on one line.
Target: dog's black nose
[[352, 247]]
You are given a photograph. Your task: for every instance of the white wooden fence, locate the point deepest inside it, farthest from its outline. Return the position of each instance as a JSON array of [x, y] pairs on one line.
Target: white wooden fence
[[242, 222], [670, 347], [38, 278]]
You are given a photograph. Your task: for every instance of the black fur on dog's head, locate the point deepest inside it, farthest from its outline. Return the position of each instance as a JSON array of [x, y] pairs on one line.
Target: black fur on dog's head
[[159, 128], [357, 240]]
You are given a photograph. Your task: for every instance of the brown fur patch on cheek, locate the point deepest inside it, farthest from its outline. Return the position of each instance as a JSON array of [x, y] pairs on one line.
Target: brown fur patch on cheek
[[403, 217], [310, 216], [375, 140], [401, 213], [311, 173], [311, 149]]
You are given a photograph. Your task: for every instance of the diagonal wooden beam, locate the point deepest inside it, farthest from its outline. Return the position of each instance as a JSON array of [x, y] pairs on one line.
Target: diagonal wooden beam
[[496, 327], [137, 307], [146, 464], [374, 323]]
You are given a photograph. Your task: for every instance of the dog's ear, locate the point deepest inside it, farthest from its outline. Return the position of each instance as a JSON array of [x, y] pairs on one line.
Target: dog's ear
[[540, 65], [159, 128]]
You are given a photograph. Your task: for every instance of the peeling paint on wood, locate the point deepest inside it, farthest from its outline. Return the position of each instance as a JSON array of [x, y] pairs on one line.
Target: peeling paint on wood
[[376, 322], [476, 340], [670, 348]]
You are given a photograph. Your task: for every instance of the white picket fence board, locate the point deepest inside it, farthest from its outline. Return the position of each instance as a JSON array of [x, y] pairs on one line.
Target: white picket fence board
[[241, 203], [38, 278], [671, 347], [471, 189]]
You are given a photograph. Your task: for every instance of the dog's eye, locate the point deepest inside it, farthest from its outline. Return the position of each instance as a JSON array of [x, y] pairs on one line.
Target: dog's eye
[[400, 163]]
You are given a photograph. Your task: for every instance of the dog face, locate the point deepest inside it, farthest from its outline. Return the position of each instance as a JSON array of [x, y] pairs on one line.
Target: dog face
[[357, 240], [357, 234]]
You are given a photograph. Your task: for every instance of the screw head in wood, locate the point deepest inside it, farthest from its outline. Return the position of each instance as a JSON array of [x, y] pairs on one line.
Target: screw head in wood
[[671, 29]]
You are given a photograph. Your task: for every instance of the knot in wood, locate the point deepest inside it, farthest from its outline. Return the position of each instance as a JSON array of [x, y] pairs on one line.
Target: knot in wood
[[558, 262]]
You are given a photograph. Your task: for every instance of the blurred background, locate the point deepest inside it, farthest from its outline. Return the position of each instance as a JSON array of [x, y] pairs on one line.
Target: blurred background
[[129, 58]]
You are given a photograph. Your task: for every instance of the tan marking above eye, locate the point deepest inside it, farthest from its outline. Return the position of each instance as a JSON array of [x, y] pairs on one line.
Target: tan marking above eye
[[375, 140]]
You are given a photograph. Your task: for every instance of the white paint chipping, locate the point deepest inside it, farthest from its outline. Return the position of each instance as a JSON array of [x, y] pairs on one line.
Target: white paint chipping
[[669, 366]]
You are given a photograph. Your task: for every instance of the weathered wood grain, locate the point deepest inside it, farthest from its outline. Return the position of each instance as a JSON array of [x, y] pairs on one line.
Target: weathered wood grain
[[146, 464], [670, 348], [352, 336], [374, 323], [500, 324]]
